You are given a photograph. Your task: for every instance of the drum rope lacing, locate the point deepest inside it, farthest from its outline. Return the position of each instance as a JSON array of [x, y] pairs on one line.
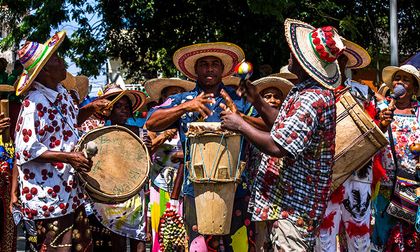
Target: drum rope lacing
[[217, 154]]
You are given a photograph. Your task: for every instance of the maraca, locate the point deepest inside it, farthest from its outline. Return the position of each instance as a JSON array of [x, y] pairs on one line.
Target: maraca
[[244, 70], [415, 149]]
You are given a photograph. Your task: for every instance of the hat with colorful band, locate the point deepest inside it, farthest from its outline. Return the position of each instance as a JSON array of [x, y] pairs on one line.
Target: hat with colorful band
[[137, 98], [357, 56], [186, 57], [154, 87], [316, 50], [33, 56], [273, 82]]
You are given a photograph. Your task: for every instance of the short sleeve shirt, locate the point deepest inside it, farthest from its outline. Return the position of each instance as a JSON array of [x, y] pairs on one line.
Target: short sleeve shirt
[[182, 124], [47, 121], [300, 183]]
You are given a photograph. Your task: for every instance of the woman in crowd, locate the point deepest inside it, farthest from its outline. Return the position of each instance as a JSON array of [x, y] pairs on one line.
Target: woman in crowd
[[395, 207]]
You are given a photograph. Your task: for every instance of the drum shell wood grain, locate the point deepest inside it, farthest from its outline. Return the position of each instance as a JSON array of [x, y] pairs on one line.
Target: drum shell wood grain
[[357, 139]]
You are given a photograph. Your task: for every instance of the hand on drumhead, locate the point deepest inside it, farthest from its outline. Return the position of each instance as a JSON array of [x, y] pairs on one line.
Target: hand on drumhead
[[198, 104], [79, 162], [231, 121], [229, 102]]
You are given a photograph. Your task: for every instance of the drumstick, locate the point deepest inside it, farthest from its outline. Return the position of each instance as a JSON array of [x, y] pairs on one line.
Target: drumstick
[[5, 111], [115, 99]]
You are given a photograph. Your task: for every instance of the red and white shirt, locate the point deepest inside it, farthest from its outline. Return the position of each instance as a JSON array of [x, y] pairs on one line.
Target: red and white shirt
[[47, 121]]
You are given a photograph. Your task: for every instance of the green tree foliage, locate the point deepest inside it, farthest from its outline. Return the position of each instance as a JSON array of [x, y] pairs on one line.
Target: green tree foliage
[[146, 33]]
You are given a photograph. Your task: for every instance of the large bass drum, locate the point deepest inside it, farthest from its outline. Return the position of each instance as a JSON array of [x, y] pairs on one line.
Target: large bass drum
[[120, 166]]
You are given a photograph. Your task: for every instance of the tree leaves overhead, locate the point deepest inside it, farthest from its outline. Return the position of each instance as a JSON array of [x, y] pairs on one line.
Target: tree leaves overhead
[[146, 33]]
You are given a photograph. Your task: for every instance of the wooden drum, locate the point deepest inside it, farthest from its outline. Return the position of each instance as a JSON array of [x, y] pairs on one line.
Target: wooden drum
[[120, 167], [214, 169], [357, 139]]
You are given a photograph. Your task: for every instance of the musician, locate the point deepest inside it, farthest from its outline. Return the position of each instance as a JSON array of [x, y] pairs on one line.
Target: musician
[[303, 134], [45, 137], [207, 64], [349, 204], [273, 91], [126, 219]]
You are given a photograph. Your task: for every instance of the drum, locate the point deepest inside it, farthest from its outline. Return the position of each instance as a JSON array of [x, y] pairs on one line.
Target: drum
[[215, 170], [120, 166], [357, 139]]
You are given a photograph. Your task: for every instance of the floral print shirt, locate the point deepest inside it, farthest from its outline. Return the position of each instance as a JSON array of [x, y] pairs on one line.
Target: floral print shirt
[[46, 122], [297, 187]]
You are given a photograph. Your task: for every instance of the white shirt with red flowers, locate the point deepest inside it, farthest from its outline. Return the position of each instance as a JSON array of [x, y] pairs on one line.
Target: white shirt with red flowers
[[47, 121]]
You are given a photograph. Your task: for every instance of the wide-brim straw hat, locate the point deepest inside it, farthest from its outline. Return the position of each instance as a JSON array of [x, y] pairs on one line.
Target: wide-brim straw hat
[[389, 72], [285, 73], [357, 56], [33, 57], [275, 82], [186, 57], [231, 81], [137, 98], [154, 87], [298, 36], [6, 88]]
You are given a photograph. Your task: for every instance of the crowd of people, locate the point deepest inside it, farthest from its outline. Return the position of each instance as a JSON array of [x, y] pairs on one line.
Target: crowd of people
[[284, 199]]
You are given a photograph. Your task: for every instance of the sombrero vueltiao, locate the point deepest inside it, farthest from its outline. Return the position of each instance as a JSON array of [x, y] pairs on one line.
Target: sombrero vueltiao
[[285, 73], [154, 87], [230, 55], [357, 56], [33, 56], [316, 50], [137, 98], [272, 81], [231, 81], [389, 72], [78, 83]]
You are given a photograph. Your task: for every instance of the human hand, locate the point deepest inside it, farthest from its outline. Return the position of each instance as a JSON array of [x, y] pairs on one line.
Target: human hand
[[13, 201], [146, 139], [170, 133], [198, 104], [101, 106], [177, 157], [231, 121], [4, 122], [386, 116], [79, 162], [229, 102], [248, 90]]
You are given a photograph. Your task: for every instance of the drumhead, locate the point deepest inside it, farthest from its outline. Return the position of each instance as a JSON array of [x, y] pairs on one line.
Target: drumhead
[[120, 167]]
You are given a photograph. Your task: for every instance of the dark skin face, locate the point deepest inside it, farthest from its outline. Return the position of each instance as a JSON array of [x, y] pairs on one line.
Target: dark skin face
[[53, 72], [171, 90], [209, 72], [272, 96], [121, 111], [408, 81]]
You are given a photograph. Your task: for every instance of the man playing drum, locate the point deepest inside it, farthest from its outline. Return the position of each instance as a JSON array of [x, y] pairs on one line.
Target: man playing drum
[[207, 64], [303, 133], [45, 138]]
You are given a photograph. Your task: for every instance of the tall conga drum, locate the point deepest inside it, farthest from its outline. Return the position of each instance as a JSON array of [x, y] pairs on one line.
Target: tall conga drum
[[215, 170], [120, 166], [357, 139]]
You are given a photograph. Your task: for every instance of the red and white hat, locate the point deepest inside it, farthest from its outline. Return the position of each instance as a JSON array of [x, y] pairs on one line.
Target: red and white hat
[[316, 50], [229, 53]]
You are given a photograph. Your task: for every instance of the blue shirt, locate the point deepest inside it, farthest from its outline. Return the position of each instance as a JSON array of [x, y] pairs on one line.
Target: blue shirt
[[182, 123]]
